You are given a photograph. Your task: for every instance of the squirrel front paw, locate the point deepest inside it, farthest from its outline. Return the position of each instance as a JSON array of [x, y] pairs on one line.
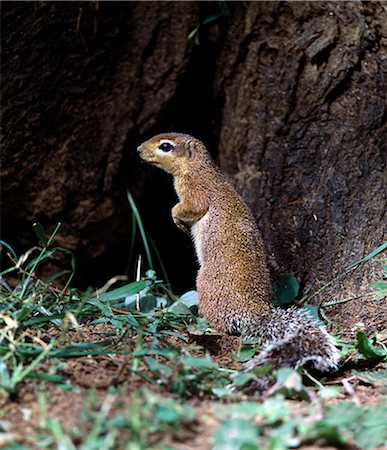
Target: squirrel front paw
[[177, 214], [182, 225]]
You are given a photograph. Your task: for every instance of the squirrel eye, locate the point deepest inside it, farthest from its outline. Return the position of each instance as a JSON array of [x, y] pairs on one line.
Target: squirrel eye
[[165, 147]]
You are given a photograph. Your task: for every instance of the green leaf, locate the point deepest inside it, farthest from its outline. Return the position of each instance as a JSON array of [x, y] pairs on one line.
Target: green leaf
[[275, 409], [83, 349], [373, 429], [381, 288], [147, 303], [5, 285], [243, 378], [184, 303], [236, 433], [180, 309], [378, 378], [38, 259], [194, 36], [171, 411], [200, 363], [189, 299], [124, 291], [322, 431], [263, 370], [157, 367], [283, 436], [290, 379], [381, 285], [344, 415], [366, 348], [327, 392], [246, 352], [247, 410], [367, 426], [199, 328], [221, 392], [5, 377], [286, 290], [313, 312], [42, 319], [22, 372]]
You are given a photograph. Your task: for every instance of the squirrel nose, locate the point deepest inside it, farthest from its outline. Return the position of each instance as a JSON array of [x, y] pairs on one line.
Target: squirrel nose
[[139, 148]]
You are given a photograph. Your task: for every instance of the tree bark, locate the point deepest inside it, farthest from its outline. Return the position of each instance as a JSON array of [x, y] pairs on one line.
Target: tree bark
[[83, 82], [291, 95], [303, 86]]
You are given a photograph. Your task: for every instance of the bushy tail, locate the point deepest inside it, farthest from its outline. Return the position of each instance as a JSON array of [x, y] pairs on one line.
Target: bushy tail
[[293, 339]]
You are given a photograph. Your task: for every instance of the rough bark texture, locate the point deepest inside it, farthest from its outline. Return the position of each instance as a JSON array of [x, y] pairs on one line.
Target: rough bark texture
[[81, 82], [303, 85], [291, 95]]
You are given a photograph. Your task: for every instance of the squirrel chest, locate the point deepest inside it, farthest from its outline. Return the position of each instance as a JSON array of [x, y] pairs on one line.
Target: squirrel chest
[[197, 234]]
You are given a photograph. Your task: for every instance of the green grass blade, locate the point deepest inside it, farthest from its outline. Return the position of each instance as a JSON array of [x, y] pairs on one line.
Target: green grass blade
[[84, 349], [55, 276], [8, 247], [19, 376], [92, 440], [347, 270], [141, 228], [53, 234], [5, 285], [72, 263], [53, 378], [132, 243], [38, 259], [41, 319], [159, 259], [124, 291], [40, 233], [369, 256]]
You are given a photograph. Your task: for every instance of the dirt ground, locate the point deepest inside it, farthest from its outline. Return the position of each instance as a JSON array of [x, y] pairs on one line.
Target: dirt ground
[[102, 372]]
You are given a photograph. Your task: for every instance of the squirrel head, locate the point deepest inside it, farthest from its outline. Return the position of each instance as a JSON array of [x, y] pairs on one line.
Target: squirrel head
[[175, 153]]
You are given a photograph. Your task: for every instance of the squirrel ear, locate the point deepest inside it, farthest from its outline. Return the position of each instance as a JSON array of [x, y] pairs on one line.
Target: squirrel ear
[[190, 148]]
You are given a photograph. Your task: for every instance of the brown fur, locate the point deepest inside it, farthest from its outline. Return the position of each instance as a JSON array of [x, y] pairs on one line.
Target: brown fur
[[233, 280]]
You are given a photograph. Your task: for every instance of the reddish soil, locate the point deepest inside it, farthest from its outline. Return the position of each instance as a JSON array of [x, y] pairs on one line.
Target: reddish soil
[[102, 372]]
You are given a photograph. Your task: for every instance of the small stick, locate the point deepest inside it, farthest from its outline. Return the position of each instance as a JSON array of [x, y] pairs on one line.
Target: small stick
[[350, 390], [307, 374], [138, 276], [120, 311]]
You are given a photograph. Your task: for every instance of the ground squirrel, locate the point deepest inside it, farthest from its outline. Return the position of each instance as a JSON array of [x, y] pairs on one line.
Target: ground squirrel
[[233, 281]]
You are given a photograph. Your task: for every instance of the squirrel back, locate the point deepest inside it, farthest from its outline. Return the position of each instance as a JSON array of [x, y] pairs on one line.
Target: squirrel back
[[233, 280]]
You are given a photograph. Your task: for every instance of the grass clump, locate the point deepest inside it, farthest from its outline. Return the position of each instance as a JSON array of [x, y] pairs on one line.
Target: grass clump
[[165, 383]]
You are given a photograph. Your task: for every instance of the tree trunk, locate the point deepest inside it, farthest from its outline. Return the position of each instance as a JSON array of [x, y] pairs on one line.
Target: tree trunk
[[291, 95], [302, 131], [83, 82]]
